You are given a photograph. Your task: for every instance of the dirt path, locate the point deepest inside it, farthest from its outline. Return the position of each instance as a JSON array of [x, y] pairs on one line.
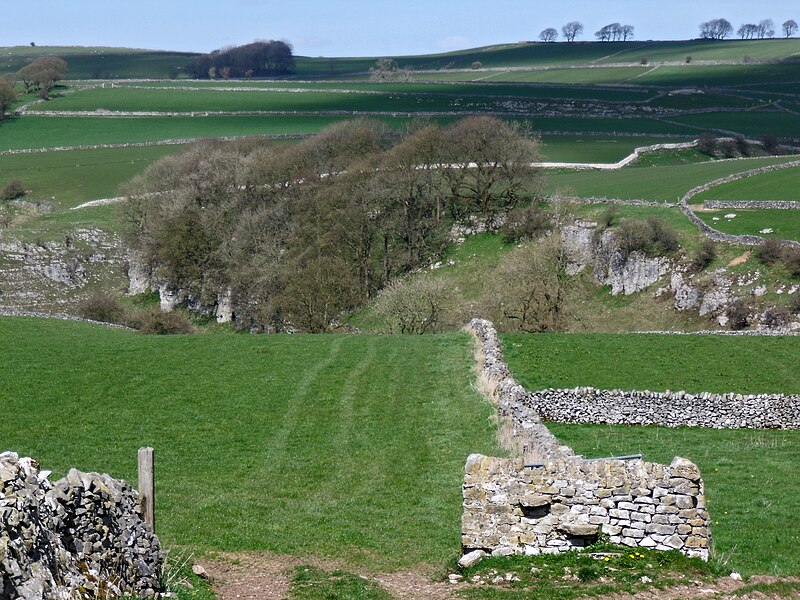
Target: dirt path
[[264, 576], [268, 577]]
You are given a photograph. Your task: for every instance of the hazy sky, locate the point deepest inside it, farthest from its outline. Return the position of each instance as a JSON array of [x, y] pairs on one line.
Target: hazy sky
[[356, 27]]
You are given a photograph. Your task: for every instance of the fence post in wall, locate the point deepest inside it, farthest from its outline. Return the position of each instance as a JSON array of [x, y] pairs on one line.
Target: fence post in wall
[[147, 493]]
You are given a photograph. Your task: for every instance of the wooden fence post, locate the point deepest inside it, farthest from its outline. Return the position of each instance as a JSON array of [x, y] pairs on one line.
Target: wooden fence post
[[147, 491]]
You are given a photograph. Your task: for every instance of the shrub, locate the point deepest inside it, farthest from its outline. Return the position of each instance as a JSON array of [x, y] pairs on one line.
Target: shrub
[[791, 260], [103, 307], [742, 145], [794, 303], [688, 59], [157, 322], [775, 317], [704, 255], [770, 143], [477, 65], [707, 144], [644, 61], [728, 149], [771, 251], [13, 189], [738, 314], [653, 237], [526, 224], [609, 217], [422, 304]]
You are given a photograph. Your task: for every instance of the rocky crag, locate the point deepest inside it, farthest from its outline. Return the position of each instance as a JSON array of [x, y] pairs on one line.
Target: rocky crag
[[80, 537]]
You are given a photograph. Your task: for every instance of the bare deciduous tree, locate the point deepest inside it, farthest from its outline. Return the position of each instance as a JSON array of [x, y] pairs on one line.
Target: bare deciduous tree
[[789, 28], [572, 30], [716, 29], [766, 29], [548, 35]]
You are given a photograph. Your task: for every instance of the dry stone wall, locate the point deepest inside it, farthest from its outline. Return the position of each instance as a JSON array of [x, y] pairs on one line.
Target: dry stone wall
[[549, 500], [755, 204], [80, 537]]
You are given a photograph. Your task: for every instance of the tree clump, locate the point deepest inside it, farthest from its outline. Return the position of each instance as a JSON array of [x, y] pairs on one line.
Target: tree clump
[[387, 69], [298, 234], [259, 59], [8, 95], [42, 74]]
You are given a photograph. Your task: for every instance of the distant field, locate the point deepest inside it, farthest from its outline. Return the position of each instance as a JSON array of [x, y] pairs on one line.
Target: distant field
[[606, 149], [618, 94], [69, 178], [567, 75], [342, 446], [778, 185], [751, 123], [661, 183], [783, 223], [52, 132], [747, 475], [123, 99], [100, 63], [700, 50], [655, 362]]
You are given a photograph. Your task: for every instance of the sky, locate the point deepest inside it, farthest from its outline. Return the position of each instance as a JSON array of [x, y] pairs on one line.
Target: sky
[[356, 27]]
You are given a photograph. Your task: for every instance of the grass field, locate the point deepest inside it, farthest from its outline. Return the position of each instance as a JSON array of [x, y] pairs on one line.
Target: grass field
[[69, 178], [53, 132], [748, 477], [309, 445], [783, 223], [747, 473], [655, 362], [778, 185], [751, 123], [660, 183]]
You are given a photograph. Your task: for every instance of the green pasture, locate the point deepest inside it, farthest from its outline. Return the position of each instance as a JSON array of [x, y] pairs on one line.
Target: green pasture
[[566, 75], [706, 50], [751, 123], [69, 178], [612, 94], [124, 99], [100, 63], [33, 131], [307, 445], [666, 183], [783, 223], [655, 362], [748, 479], [596, 149], [777, 185]]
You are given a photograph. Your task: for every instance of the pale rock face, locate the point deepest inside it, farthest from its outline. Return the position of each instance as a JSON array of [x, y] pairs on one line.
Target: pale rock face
[[687, 297], [628, 275], [224, 309], [139, 276], [169, 297], [578, 242]]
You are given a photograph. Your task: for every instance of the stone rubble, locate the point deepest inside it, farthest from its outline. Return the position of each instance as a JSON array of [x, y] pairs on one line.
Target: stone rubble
[[80, 537]]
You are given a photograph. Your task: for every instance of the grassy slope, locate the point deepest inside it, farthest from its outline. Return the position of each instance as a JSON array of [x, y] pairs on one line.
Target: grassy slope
[[98, 62], [311, 445], [69, 178], [748, 477], [53, 132], [663, 183], [778, 185], [656, 362], [783, 223], [747, 473]]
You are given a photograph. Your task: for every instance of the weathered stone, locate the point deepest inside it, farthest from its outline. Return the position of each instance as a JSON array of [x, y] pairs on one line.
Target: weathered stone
[[471, 559]]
